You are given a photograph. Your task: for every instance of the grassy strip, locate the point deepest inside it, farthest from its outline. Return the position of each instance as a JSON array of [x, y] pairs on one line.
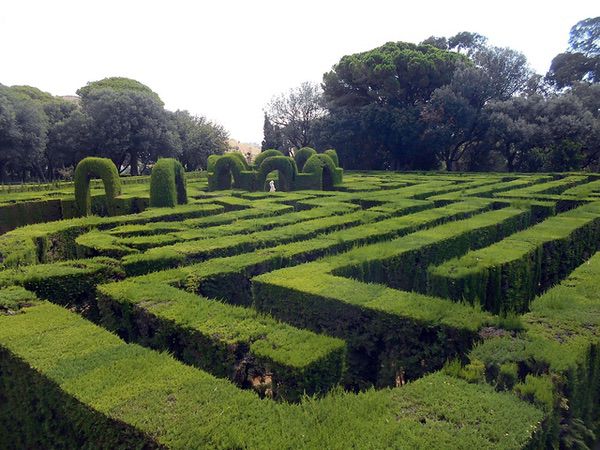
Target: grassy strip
[[238, 343], [507, 275], [135, 397]]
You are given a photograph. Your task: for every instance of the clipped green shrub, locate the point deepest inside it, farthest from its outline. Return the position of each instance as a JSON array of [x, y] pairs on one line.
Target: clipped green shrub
[[241, 158], [333, 155], [286, 167], [167, 183], [102, 168], [264, 155], [210, 164], [322, 164], [226, 167], [302, 156]]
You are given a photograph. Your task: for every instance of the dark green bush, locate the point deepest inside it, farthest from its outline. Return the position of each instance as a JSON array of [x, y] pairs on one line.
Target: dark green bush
[[266, 154], [302, 156], [333, 155], [226, 167], [322, 165], [167, 183], [89, 168], [286, 167]]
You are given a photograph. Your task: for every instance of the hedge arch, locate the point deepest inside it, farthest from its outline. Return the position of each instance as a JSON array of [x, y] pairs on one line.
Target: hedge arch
[[167, 184], [286, 167], [322, 165], [227, 166], [264, 155], [211, 161], [89, 168], [302, 156], [241, 158], [333, 155]]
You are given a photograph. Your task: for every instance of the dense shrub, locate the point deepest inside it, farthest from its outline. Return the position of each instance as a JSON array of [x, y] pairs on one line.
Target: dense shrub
[[286, 167], [167, 183], [333, 155], [266, 154], [226, 167], [302, 156], [323, 165], [102, 168]]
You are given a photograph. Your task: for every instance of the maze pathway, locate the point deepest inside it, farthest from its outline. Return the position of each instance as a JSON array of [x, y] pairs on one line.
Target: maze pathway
[[399, 311]]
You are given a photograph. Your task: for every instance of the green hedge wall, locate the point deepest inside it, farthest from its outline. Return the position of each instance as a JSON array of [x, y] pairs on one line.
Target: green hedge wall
[[506, 276], [227, 341], [226, 167], [264, 155], [286, 167], [121, 395], [333, 155], [302, 156], [89, 168], [167, 184]]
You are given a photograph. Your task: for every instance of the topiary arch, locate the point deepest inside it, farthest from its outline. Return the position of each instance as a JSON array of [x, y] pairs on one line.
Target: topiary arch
[[286, 167], [322, 166], [226, 167], [264, 155], [302, 156], [89, 168], [167, 183]]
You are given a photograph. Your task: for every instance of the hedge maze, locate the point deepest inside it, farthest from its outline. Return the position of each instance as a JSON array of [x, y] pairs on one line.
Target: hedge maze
[[389, 310]]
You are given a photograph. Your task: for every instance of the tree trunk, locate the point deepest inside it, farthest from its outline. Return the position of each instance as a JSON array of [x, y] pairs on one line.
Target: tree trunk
[[133, 163]]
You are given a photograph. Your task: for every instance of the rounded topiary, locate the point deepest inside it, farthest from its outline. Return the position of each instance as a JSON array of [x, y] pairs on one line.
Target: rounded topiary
[[89, 168], [167, 183], [241, 158], [286, 167], [264, 155], [321, 165], [302, 156], [210, 163], [333, 155], [227, 166]]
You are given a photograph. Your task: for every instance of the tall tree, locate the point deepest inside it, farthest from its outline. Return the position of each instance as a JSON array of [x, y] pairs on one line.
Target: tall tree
[[295, 112], [128, 122], [272, 136], [581, 61], [198, 138], [380, 92]]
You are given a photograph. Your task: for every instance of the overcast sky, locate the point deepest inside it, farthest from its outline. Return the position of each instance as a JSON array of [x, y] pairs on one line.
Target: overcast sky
[[226, 59]]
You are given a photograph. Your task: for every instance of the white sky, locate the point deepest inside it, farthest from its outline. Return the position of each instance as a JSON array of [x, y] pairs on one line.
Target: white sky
[[226, 59]]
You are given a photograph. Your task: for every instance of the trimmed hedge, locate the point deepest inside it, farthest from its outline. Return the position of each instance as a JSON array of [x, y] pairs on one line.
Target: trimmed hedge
[[285, 166], [302, 155], [167, 184], [559, 344], [264, 155], [226, 167], [506, 276], [86, 388], [89, 168], [333, 155], [250, 349], [324, 167]]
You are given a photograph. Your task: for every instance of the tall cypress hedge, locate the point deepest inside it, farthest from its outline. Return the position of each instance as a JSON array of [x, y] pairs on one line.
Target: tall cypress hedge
[[167, 183]]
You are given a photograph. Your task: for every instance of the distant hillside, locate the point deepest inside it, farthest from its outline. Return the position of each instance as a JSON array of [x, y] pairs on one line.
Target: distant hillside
[[253, 149]]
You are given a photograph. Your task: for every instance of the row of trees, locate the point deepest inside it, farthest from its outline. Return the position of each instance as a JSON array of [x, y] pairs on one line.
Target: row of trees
[[457, 103], [43, 137]]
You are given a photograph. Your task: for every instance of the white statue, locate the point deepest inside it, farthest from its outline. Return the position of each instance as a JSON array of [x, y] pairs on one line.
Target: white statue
[[272, 186]]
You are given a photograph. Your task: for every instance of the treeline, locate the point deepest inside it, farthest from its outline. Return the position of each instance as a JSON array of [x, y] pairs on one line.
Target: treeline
[[454, 104], [42, 137]]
